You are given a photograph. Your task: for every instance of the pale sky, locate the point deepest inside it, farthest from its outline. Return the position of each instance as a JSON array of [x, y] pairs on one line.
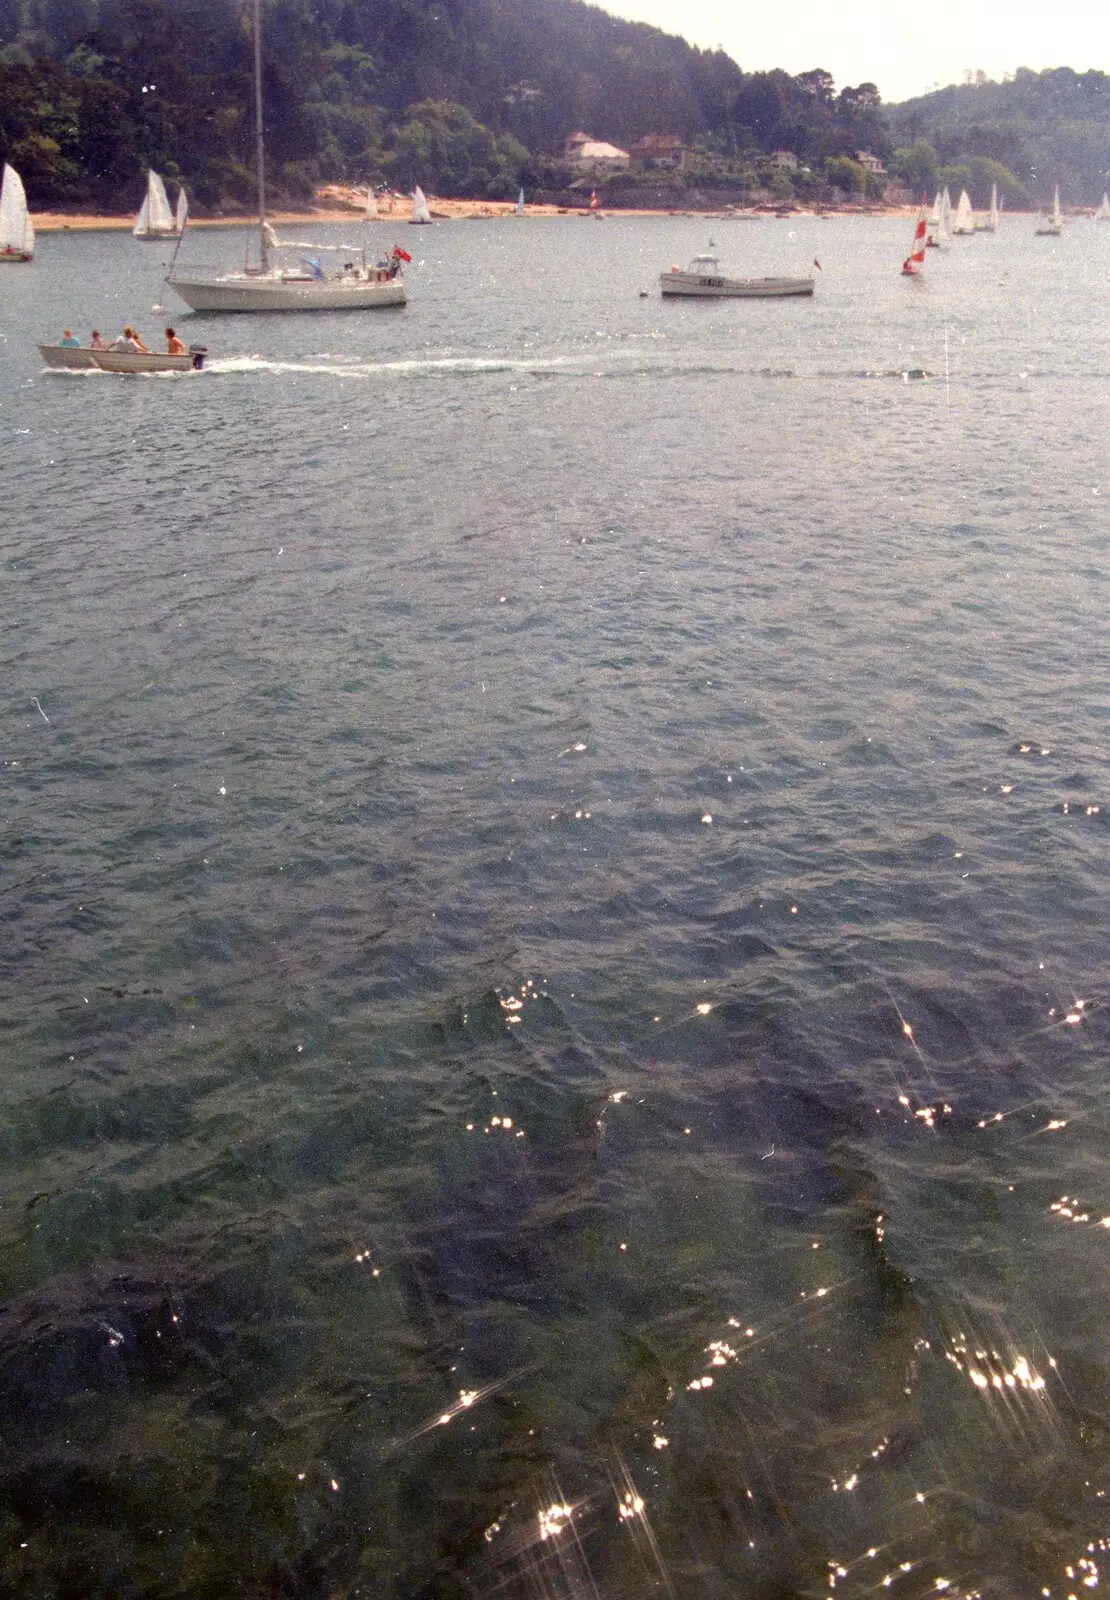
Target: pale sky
[[903, 46]]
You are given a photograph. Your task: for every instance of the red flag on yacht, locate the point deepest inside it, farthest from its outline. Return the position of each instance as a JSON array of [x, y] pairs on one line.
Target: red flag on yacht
[[404, 255]]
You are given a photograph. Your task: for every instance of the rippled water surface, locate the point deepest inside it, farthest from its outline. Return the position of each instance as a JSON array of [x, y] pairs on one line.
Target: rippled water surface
[[553, 954]]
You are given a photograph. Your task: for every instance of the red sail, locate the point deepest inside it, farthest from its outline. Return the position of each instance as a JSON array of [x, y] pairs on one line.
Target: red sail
[[916, 257]]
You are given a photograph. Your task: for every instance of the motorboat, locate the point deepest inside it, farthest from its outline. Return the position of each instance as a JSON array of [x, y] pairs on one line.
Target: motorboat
[[704, 279], [79, 358]]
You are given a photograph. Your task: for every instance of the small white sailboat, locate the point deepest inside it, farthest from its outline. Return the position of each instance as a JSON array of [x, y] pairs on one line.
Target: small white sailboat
[[156, 219], [595, 205], [964, 219], [1103, 212], [912, 265], [519, 212], [939, 235], [371, 205], [1051, 226], [933, 223], [989, 224], [181, 212], [17, 233], [420, 212]]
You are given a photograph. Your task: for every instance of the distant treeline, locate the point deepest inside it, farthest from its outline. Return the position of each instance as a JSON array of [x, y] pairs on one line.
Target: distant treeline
[[466, 97], [1046, 128]]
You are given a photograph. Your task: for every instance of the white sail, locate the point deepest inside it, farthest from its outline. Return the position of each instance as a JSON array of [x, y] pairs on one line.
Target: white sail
[[520, 204], [155, 219], [964, 219], [934, 214], [420, 212], [181, 215], [944, 228], [17, 233], [1103, 212], [371, 205], [1051, 226]]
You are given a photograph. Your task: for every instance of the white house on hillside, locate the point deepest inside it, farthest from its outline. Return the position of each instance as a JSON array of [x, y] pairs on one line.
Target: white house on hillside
[[594, 155]]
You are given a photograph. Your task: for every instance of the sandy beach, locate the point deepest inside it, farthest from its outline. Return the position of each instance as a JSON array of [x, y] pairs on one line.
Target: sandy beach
[[335, 203]]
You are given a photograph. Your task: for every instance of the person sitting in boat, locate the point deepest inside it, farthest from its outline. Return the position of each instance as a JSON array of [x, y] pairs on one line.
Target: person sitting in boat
[[130, 342], [67, 338], [97, 342], [174, 345]]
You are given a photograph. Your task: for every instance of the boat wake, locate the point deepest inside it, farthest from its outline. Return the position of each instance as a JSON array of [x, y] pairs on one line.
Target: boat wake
[[578, 365], [447, 366]]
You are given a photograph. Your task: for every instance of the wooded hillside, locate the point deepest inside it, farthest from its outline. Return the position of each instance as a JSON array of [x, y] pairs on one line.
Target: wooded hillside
[[474, 97]]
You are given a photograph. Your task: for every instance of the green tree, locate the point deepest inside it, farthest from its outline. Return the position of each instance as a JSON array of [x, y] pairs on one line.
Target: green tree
[[443, 147], [846, 174], [916, 166]]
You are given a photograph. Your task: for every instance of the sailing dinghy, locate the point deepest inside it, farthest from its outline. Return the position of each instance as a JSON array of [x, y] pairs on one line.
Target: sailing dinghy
[[156, 219], [964, 219], [989, 224], [1103, 212], [420, 212], [17, 233], [1052, 226], [912, 265]]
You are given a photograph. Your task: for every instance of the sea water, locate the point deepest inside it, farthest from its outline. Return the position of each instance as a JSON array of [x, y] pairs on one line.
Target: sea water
[[553, 975]]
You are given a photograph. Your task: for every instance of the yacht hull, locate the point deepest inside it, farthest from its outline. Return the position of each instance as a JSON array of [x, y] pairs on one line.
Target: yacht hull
[[244, 293]]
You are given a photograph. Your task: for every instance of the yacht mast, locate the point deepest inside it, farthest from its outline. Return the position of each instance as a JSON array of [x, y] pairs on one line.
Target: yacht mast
[[260, 151]]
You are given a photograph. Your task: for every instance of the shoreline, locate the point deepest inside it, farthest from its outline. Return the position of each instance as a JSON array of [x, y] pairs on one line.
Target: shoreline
[[336, 205]]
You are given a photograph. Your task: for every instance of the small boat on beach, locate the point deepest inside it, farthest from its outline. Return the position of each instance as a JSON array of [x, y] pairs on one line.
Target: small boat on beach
[[703, 279], [17, 232], [77, 358]]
